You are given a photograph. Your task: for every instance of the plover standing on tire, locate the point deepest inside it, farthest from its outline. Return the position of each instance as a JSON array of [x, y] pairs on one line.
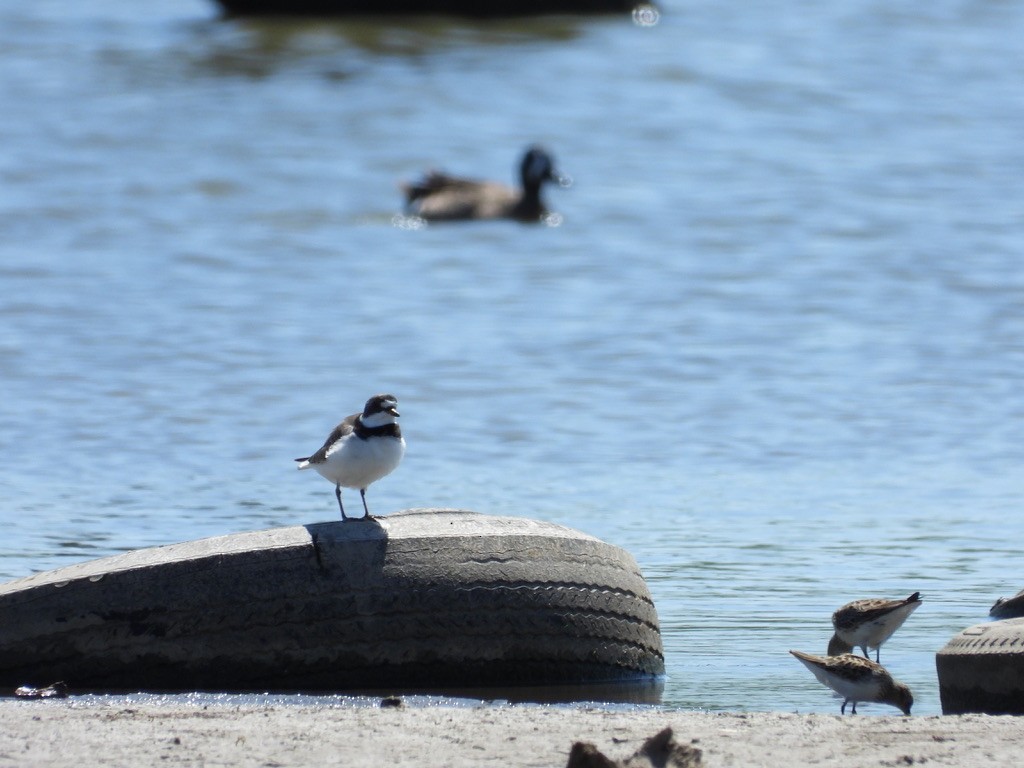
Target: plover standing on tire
[[868, 623], [361, 450], [857, 679]]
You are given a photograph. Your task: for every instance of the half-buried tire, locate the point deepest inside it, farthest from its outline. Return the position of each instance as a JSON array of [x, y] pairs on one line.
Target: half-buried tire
[[422, 599], [982, 670]]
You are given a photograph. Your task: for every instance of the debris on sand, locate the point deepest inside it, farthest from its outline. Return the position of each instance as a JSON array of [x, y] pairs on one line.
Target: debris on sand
[[659, 751]]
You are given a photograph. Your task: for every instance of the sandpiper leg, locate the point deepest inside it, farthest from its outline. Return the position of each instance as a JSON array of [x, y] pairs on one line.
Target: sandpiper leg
[[337, 492], [366, 510]]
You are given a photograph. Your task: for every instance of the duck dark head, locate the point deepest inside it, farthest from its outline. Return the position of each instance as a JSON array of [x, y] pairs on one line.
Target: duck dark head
[[537, 167]]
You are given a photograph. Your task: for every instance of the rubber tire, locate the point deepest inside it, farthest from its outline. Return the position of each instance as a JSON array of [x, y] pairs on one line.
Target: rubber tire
[[420, 599], [982, 670]]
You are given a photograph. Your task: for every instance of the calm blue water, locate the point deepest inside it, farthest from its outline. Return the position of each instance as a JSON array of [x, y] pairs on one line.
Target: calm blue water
[[774, 349]]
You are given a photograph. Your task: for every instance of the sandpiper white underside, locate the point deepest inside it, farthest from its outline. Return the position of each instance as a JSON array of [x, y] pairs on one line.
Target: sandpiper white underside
[[866, 688], [871, 634]]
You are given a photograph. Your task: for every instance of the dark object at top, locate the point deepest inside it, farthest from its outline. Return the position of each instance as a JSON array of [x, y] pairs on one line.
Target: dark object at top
[[486, 8], [440, 197]]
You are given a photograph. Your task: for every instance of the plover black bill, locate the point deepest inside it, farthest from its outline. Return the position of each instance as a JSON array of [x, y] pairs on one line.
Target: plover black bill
[[868, 623], [857, 679], [361, 450]]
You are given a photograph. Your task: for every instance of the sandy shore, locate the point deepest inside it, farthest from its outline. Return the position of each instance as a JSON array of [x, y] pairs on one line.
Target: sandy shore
[[65, 732]]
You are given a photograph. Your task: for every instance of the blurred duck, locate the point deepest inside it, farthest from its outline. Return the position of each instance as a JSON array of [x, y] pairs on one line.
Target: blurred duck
[[439, 197]]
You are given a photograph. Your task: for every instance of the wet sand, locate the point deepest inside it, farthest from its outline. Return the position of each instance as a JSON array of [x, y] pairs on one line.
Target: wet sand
[[69, 733]]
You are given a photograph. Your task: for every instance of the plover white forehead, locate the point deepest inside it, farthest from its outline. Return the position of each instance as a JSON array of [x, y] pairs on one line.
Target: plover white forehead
[[857, 680], [868, 623], [361, 449]]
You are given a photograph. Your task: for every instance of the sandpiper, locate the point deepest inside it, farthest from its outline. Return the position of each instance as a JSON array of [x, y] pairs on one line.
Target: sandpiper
[[856, 679], [361, 450], [868, 623]]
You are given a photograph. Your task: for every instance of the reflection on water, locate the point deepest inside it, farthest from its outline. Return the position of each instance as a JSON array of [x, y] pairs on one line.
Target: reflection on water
[[258, 47]]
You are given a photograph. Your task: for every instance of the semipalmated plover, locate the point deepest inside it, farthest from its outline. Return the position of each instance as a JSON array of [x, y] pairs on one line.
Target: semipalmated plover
[[361, 450], [868, 623], [857, 679]]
